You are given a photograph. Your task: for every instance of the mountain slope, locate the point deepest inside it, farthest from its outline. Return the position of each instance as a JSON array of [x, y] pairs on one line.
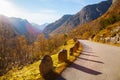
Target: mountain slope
[[6, 29], [110, 25], [105, 28], [14, 48], [51, 27], [87, 14], [19, 27], [23, 26]]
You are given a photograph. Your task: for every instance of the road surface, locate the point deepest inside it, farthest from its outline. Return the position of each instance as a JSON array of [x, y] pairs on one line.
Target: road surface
[[96, 62]]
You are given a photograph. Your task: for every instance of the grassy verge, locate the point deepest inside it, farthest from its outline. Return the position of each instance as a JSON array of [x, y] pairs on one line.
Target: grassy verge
[[31, 72]]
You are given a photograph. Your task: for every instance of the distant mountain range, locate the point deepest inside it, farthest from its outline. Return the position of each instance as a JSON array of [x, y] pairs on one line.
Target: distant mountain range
[[53, 26], [87, 14], [40, 27], [63, 25], [20, 26]]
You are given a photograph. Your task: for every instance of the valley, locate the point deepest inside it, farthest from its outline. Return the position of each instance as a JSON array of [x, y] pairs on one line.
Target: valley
[[86, 43]]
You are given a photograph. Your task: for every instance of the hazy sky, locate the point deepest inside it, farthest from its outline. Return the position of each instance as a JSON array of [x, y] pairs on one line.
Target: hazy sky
[[42, 11]]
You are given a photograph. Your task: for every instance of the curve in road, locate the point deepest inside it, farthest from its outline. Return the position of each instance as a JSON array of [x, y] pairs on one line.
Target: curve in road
[[96, 62]]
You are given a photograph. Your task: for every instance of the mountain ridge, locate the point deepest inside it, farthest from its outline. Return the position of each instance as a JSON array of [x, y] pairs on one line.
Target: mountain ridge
[[87, 14], [51, 27], [104, 29], [20, 27]]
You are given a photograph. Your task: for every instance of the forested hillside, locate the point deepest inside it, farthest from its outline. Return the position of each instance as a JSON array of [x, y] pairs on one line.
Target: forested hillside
[[16, 51]]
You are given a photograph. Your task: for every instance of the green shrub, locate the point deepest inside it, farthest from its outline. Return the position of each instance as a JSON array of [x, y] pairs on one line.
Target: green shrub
[[108, 21]]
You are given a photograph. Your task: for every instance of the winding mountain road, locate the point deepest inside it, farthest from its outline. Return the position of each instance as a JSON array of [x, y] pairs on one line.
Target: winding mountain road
[[96, 62]]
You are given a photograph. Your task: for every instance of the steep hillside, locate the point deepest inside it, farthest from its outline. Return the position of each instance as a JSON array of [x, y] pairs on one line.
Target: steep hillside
[[6, 29], [111, 34], [110, 25], [104, 28], [19, 27], [9, 45], [51, 27], [22, 26], [87, 14]]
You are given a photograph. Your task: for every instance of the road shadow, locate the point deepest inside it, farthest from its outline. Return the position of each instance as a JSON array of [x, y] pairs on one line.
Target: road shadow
[[85, 69], [90, 60], [87, 49], [86, 46], [89, 55], [53, 76]]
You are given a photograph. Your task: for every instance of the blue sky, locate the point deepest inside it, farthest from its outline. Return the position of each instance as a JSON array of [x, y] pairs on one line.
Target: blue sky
[[42, 11]]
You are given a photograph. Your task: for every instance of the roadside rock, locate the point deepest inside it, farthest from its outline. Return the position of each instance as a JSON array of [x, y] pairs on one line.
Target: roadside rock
[[46, 65], [62, 56]]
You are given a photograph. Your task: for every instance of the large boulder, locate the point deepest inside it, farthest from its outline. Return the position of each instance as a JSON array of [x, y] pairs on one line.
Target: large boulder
[[62, 56], [46, 65]]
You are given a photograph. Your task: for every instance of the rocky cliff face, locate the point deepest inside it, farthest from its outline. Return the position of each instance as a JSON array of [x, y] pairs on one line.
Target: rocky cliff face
[[87, 14]]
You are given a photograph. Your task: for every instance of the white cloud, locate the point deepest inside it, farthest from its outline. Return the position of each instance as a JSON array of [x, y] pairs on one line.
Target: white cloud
[[11, 10]]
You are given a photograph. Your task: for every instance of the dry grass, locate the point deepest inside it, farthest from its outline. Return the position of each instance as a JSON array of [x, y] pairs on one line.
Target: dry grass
[[108, 32], [31, 72]]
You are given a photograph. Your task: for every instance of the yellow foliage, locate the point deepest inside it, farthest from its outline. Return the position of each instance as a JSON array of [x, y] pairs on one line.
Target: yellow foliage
[[31, 72]]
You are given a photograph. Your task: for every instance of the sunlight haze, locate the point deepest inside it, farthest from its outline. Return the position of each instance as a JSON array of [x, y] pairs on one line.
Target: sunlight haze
[[42, 11]]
